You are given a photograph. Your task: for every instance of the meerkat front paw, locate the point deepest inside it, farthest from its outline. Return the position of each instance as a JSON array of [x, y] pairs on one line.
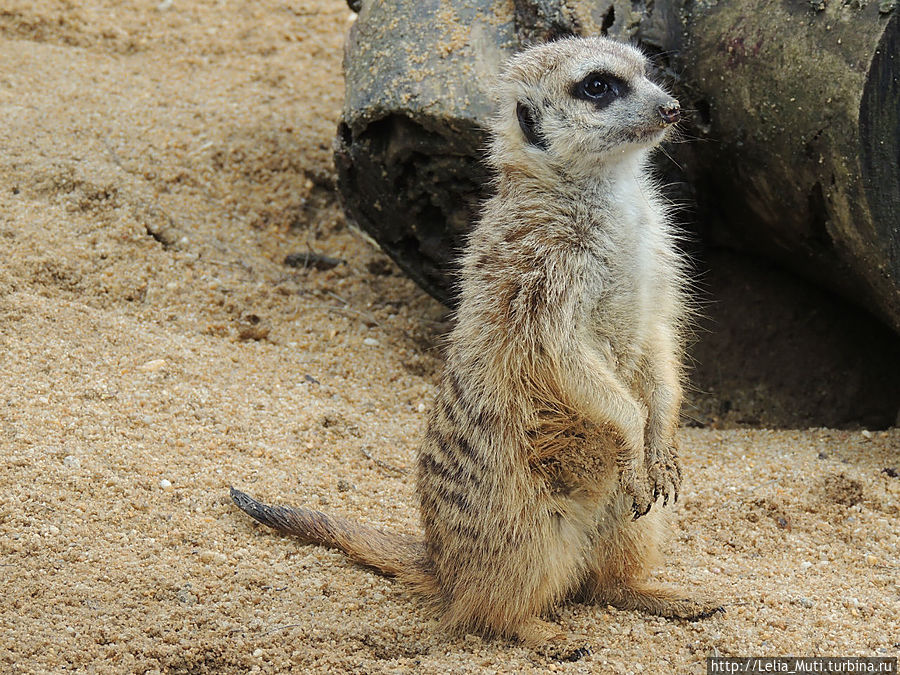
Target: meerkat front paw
[[664, 472], [635, 484]]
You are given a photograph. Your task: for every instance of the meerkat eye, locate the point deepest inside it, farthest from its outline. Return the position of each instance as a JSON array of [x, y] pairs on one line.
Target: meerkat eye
[[596, 87], [600, 88]]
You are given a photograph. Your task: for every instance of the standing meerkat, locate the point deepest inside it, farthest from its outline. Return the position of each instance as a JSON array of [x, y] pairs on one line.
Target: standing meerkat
[[552, 432]]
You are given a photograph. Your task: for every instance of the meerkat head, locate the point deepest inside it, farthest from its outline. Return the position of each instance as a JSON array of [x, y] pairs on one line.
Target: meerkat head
[[584, 103]]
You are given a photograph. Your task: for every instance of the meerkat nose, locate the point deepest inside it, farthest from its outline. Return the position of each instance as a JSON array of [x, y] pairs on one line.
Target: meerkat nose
[[670, 112]]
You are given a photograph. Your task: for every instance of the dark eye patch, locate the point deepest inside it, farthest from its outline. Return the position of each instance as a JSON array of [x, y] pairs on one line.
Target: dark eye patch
[[600, 88]]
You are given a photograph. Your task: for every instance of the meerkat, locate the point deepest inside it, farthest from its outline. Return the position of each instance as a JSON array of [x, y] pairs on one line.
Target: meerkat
[[553, 429]]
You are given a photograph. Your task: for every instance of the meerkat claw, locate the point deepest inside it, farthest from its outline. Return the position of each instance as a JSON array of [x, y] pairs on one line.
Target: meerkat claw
[[638, 513]]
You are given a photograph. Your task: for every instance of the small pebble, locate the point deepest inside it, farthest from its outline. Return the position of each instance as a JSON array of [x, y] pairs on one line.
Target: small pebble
[[153, 366], [257, 653], [184, 596], [372, 342], [165, 484], [71, 461], [866, 434], [805, 565], [212, 557], [421, 408]]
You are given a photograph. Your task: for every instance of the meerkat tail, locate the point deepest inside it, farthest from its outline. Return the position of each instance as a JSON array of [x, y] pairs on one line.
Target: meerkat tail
[[395, 555]]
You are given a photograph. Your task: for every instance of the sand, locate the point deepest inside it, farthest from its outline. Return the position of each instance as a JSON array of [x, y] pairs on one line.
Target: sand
[[158, 160]]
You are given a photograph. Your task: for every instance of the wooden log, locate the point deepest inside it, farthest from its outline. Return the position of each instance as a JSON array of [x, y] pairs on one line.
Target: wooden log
[[799, 107], [418, 76], [796, 119]]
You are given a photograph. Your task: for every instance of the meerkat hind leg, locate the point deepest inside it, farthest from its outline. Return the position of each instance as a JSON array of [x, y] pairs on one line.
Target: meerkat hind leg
[[623, 558]]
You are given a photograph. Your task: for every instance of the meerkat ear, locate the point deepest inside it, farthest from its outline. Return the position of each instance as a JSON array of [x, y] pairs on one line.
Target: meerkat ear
[[526, 121]]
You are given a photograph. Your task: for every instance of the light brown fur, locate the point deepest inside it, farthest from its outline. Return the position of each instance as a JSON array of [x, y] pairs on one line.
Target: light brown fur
[[552, 433]]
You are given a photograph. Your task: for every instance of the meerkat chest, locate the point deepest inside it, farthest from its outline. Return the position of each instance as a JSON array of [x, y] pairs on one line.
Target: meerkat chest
[[625, 285]]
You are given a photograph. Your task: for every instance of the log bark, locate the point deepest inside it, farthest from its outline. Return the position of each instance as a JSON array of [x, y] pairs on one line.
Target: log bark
[[418, 76], [796, 125]]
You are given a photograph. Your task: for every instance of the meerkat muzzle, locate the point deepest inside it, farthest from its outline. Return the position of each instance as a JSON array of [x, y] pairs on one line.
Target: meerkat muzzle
[[670, 113]]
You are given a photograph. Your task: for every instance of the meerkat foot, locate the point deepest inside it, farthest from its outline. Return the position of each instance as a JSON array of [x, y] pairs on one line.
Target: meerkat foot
[[536, 633], [658, 600], [551, 641], [568, 650]]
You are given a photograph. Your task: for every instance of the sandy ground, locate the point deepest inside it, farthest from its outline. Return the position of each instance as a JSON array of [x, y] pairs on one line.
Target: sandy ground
[[157, 162]]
